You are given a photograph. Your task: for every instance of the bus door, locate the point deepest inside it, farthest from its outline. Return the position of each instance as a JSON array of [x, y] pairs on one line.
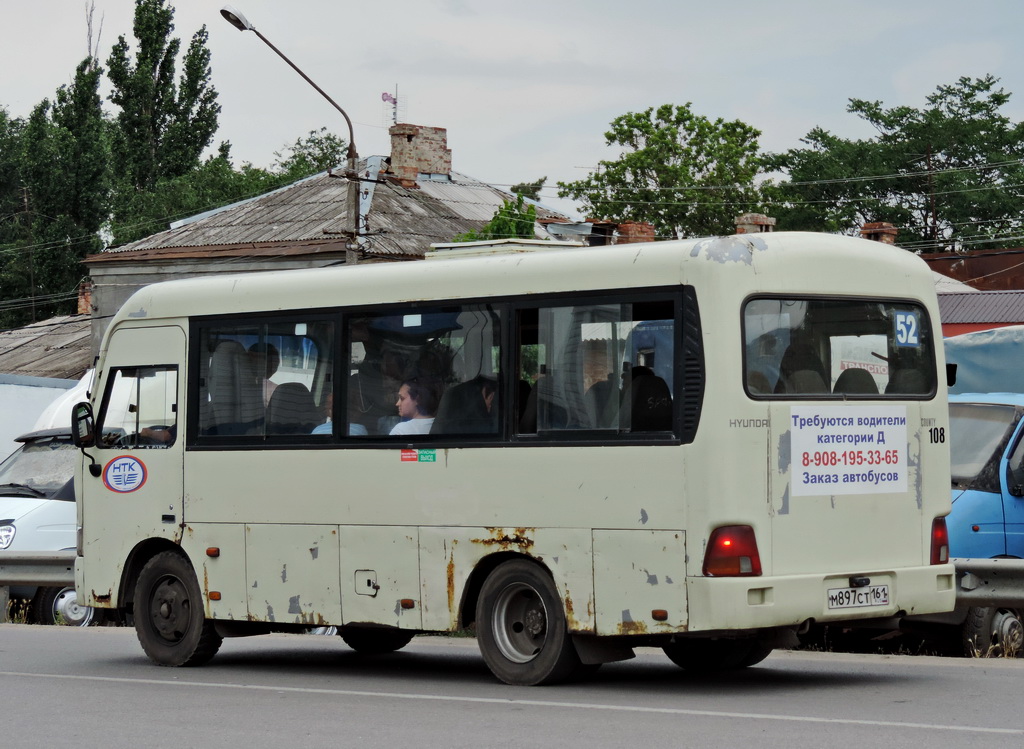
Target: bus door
[[140, 448]]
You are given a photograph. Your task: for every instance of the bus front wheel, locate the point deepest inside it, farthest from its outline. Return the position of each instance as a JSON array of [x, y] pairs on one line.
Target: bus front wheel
[[521, 627], [169, 618]]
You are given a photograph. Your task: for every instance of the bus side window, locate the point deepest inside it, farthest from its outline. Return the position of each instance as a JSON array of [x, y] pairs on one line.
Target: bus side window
[[450, 355], [603, 366], [140, 408]]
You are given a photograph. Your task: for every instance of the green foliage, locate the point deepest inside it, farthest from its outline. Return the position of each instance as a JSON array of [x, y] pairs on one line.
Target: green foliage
[[212, 184], [317, 152], [530, 190], [510, 221], [162, 126], [56, 181], [948, 176], [216, 183], [682, 172]]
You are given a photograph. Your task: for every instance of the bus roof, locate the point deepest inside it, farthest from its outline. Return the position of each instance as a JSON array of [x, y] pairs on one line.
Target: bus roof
[[790, 262]]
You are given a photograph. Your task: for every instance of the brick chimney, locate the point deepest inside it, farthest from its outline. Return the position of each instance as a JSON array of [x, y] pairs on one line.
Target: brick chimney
[[632, 231], [416, 150], [754, 223], [85, 298], [879, 231]]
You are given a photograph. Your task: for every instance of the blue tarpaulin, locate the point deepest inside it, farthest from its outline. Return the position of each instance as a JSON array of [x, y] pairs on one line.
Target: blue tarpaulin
[[989, 361]]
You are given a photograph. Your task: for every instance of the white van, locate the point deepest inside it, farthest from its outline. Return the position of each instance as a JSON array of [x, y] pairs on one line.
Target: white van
[[37, 511]]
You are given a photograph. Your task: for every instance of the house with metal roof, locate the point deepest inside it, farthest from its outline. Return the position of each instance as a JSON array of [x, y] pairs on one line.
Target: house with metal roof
[[407, 202]]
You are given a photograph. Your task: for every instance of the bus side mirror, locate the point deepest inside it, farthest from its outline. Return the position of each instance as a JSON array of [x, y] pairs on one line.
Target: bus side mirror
[[950, 374], [82, 428]]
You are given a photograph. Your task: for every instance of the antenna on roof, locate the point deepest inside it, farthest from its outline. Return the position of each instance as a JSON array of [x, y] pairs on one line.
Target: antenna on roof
[[393, 101]]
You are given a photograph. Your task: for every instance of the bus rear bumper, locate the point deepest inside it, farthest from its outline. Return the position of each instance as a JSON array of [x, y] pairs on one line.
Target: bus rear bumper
[[741, 603]]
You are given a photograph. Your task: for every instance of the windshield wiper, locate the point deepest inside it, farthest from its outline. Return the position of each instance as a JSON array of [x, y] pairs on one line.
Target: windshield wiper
[[23, 488]]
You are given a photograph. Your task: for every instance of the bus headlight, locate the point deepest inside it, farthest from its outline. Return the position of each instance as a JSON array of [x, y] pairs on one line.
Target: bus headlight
[[6, 535]]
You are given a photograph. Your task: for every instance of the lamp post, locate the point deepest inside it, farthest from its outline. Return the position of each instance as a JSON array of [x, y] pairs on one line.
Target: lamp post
[[241, 23]]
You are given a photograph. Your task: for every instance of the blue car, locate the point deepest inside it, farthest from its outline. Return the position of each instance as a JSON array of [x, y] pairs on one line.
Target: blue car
[[986, 452], [987, 519]]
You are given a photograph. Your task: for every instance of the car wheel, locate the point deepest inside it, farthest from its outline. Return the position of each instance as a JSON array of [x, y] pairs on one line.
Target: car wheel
[[992, 632], [58, 605], [169, 617]]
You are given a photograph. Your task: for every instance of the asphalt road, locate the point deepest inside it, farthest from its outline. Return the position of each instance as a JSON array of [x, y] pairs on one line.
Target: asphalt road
[[94, 687]]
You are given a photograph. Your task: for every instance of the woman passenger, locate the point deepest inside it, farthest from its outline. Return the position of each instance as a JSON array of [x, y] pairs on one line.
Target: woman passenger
[[417, 405]]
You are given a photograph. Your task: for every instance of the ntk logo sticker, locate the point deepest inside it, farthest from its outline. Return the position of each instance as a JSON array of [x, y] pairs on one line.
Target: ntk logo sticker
[[124, 474]]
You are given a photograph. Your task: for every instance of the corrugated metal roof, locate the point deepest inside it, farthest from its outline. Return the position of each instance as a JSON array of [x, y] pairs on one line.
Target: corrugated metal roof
[[982, 307], [56, 347], [401, 221]]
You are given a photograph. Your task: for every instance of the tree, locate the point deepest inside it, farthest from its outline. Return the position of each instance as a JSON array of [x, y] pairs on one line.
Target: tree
[[162, 127], [10, 177], [682, 172], [317, 152], [530, 190], [948, 176], [62, 176], [510, 221]]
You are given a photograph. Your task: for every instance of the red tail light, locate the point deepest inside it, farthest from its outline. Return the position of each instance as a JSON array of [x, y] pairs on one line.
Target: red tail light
[[940, 541], [732, 552]]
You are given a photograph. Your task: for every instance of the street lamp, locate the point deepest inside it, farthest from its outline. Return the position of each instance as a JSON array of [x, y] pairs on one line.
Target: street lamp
[[240, 22]]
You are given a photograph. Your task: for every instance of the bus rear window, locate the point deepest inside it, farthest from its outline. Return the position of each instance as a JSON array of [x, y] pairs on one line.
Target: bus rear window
[[837, 348]]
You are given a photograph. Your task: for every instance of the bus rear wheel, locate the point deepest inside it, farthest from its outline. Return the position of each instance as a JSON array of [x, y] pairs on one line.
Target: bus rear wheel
[[521, 627], [699, 654], [169, 618], [374, 640]]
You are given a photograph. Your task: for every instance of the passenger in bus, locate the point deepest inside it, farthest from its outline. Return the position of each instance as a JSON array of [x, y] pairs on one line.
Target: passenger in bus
[[416, 404], [355, 429], [265, 360], [468, 408]]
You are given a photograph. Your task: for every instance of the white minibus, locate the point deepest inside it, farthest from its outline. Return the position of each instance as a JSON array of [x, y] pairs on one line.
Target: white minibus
[[703, 445]]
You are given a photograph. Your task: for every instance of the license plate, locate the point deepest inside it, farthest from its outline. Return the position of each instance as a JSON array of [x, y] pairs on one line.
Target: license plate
[[854, 598]]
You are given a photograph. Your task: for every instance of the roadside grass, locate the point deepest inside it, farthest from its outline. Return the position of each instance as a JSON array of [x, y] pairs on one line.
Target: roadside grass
[[995, 650], [17, 611]]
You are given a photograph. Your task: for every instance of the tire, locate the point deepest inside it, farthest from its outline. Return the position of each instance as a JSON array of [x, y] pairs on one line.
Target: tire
[[992, 633], [521, 628], [706, 655], [57, 605], [169, 617], [375, 640]]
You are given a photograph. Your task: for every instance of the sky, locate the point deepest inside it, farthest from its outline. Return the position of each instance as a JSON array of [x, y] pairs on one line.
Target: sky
[[527, 89]]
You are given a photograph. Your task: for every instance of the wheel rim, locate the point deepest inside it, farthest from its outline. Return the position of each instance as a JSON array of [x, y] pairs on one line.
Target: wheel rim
[[1008, 631], [170, 609], [67, 610], [520, 623]]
